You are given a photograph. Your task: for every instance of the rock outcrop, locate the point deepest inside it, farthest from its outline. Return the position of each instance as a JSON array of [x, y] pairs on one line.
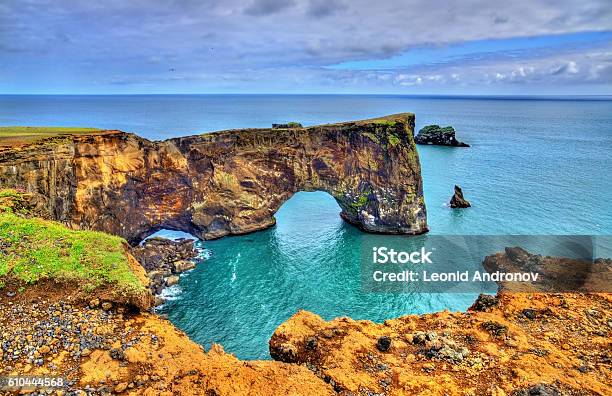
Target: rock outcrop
[[222, 183], [162, 254], [514, 344], [457, 200], [555, 274], [287, 125], [436, 135], [163, 259]]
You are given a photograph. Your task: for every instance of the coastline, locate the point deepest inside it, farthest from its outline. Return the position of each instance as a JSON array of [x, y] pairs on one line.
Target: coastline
[[99, 342], [493, 347], [489, 349]]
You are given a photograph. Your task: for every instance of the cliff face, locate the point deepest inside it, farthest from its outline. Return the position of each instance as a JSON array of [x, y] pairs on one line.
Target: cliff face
[[229, 182]]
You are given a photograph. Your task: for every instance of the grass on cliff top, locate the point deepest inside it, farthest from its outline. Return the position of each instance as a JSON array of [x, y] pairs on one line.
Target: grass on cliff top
[[33, 249], [10, 135], [16, 131]]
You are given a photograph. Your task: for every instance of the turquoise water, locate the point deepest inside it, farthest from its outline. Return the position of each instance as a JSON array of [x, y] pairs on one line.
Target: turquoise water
[[535, 167]]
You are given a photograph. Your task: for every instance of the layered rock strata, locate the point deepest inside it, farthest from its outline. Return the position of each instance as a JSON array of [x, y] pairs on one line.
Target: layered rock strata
[[223, 183]]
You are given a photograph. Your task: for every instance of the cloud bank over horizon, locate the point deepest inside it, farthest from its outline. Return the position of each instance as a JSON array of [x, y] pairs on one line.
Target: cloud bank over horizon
[[306, 46]]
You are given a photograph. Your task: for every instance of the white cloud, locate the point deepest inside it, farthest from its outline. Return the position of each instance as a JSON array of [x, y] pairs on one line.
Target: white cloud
[[274, 41]]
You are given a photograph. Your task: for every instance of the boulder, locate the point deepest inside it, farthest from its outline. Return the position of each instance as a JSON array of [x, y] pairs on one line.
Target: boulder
[[383, 343], [163, 257], [439, 136], [182, 266], [159, 253], [172, 280], [484, 302]]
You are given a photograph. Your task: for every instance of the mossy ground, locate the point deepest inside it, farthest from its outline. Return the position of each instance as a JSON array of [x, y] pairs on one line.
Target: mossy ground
[[18, 135], [34, 249], [16, 131]]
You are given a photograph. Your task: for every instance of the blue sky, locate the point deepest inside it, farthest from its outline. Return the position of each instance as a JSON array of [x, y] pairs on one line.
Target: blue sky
[[306, 46]]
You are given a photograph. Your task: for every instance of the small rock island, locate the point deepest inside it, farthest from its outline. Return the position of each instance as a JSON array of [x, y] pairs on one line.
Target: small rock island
[[439, 136], [458, 201]]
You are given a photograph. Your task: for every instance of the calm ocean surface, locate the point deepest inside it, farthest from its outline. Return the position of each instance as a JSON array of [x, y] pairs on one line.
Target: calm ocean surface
[[535, 167]]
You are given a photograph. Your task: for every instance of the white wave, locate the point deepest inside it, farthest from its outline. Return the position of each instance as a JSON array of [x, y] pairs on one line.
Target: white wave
[[171, 293], [234, 268], [203, 254]]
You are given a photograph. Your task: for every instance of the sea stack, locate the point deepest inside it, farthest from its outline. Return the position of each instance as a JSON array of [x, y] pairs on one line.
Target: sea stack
[[457, 201], [438, 136]]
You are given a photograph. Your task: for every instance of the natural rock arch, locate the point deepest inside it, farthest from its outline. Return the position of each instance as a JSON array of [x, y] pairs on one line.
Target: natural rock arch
[[229, 182]]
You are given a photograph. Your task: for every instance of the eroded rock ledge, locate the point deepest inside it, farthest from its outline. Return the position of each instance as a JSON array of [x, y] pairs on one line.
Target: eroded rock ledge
[[229, 182]]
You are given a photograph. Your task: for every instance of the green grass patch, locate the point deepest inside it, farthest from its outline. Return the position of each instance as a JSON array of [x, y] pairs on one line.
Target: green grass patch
[[393, 140], [33, 249], [361, 200], [9, 193], [384, 122], [17, 131], [17, 135]]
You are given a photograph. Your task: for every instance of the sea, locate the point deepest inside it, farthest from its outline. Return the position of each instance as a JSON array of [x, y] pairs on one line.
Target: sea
[[536, 166]]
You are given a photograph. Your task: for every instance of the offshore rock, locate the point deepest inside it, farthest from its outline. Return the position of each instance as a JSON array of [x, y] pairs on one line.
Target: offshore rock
[[457, 200], [555, 274], [222, 183], [436, 135]]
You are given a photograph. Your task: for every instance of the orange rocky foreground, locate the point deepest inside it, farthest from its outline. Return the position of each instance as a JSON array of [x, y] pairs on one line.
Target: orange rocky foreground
[[520, 344], [101, 349]]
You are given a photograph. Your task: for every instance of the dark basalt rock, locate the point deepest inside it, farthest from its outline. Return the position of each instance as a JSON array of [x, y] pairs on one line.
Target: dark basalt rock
[[484, 302], [160, 253], [287, 125], [457, 201], [436, 135], [538, 390], [383, 344], [163, 258]]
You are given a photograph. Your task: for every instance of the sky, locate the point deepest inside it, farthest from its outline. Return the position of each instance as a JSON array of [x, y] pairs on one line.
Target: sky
[[469, 47]]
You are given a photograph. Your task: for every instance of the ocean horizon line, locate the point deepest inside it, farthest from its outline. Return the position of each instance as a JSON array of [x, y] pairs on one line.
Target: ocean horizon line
[[416, 96]]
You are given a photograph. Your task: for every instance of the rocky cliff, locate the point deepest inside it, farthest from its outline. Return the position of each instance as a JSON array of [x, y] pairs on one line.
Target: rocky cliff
[[228, 182]]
